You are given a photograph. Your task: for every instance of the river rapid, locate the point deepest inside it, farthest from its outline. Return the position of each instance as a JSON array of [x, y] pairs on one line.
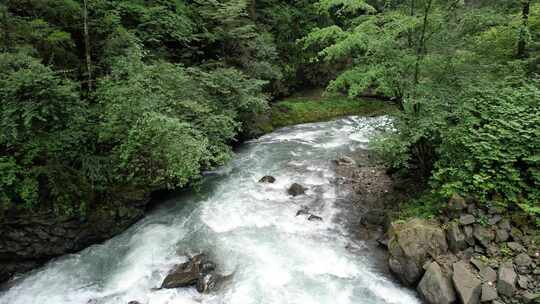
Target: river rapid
[[248, 228]]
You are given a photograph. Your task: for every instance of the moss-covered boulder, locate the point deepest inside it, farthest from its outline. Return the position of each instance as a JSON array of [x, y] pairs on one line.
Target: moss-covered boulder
[[412, 244]]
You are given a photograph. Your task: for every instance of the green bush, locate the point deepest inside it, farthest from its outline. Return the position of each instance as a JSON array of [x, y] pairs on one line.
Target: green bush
[[486, 145]]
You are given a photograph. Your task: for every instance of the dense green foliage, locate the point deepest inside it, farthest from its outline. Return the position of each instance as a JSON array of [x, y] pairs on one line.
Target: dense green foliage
[[104, 101], [465, 75]]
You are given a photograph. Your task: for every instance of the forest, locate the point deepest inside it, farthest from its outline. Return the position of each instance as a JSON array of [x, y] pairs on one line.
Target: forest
[[105, 101]]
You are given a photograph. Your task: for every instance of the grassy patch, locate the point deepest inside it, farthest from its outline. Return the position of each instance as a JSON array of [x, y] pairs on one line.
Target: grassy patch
[[312, 109]]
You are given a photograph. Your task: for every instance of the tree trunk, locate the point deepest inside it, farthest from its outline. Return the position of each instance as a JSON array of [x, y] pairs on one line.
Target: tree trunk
[[522, 42], [6, 43], [421, 48], [253, 10], [88, 58], [410, 32]]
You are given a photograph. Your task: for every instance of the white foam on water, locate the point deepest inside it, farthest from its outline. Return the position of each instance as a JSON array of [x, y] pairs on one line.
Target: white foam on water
[[248, 228]]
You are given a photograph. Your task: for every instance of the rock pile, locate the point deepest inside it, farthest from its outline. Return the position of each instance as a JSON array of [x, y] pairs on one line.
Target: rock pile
[[472, 254]]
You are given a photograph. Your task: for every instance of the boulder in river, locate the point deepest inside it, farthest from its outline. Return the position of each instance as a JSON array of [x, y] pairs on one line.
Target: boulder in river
[[411, 245], [344, 161], [189, 273], [313, 218], [296, 189], [303, 211], [267, 179]]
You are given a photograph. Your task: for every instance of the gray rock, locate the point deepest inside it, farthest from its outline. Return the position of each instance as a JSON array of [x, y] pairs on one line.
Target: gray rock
[[267, 179], [469, 237], [456, 238], [501, 235], [515, 246], [435, 287], [523, 282], [488, 274], [495, 210], [374, 217], [456, 204], [467, 219], [506, 279], [478, 264], [302, 211], [410, 245], [206, 283], [344, 161], [483, 235], [296, 189], [468, 253], [489, 292], [523, 259], [468, 287], [313, 218], [492, 250], [494, 220], [505, 224], [188, 273]]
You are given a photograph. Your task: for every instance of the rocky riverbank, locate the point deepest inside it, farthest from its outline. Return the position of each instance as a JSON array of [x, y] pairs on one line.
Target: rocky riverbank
[[30, 240], [468, 254]]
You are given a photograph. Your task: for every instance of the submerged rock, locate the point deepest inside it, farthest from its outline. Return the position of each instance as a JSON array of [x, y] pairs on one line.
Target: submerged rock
[[345, 161], [411, 245], [189, 273], [296, 189], [314, 218], [267, 179], [303, 211]]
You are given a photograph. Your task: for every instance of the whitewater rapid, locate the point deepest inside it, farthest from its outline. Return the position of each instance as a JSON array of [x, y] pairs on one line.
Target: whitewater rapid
[[248, 228]]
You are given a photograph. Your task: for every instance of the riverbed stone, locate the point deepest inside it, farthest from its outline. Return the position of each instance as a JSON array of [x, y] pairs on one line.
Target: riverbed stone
[[483, 235], [469, 237], [267, 179], [314, 218], [506, 279], [411, 244], [345, 161], [435, 287], [468, 287], [188, 273], [456, 238], [296, 189], [523, 259], [505, 224], [516, 247], [489, 292], [523, 282], [467, 219], [501, 235], [488, 274]]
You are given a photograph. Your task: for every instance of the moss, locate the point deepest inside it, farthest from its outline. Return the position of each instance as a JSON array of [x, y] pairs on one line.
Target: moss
[[312, 109]]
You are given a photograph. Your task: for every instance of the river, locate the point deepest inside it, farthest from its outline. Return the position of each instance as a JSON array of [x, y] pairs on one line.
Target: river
[[248, 228]]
